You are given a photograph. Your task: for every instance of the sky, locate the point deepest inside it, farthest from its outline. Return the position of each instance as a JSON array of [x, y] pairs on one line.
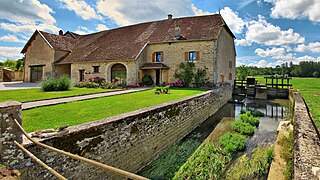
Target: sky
[[268, 32]]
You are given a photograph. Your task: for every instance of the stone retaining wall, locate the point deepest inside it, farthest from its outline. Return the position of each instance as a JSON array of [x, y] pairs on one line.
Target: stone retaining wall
[[128, 141], [306, 142]]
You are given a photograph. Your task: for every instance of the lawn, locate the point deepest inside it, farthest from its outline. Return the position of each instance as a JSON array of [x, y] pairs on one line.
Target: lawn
[[79, 112], [23, 95], [309, 88]]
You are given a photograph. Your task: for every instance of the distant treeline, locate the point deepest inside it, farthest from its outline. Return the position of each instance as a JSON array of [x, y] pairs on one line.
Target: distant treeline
[[13, 64], [304, 69]]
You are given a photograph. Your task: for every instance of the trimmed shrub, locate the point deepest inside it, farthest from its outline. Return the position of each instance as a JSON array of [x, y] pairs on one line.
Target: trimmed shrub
[[56, 84], [162, 89], [87, 84], [147, 80], [243, 127], [248, 118], [232, 142]]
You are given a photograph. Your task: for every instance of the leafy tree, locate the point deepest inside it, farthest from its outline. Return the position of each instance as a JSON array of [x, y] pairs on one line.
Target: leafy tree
[[185, 72], [242, 72], [200, 78]]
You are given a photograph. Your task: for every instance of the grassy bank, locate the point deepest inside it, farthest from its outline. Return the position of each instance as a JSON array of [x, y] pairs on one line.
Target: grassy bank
[[79, 112], [23, 95]]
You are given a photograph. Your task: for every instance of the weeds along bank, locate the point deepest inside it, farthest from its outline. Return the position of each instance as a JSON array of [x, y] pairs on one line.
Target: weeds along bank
[[128, 141]]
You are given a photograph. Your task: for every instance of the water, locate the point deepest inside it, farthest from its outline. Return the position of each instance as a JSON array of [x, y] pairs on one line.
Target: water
[[175, 156]]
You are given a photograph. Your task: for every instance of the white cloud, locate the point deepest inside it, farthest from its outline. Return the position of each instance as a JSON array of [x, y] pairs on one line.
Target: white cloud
[[125, 12], [296, 9], [28, 29], [199, 12], [235, 23], [26, 11], [270, 52], [81, 8], [261, 63], [10, 38], [101, 27], [10, 52], [242, 42], [83, 30], [312, 47], [261, 32]]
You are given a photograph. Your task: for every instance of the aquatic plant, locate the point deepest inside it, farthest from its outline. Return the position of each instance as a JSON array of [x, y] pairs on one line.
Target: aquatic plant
[[232, 142], [207, 162], [253, 167], [255, 113], [243, 127], [249, 118]]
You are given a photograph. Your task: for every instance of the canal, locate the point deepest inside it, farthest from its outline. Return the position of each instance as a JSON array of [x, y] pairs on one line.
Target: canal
[[168, 163]]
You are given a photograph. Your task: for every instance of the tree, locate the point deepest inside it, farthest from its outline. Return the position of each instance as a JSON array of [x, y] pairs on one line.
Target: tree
[[200, 77], [242, 72], [315, 74], [185, 72]]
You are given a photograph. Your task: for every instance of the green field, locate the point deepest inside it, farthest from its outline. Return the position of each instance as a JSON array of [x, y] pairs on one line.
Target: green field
[[309, 88], [79, 112], [24, 95]]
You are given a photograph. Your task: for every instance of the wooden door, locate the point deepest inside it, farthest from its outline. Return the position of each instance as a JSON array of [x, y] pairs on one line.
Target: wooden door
[[36, 73], [81, 75], [158, 77]]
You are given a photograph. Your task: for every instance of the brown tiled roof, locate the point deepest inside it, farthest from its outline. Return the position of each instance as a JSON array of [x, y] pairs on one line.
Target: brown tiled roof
[[125, 43], [154, 66], [57, 42]]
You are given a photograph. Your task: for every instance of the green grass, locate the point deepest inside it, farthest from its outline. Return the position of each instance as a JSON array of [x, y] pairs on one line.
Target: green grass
[[24, 95], [309, 88], [286, 143], [79, 112], [168, 163], [207, 162], [253, 167]]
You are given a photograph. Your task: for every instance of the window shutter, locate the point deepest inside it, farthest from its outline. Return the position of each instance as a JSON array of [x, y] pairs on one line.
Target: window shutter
[[153, 57], [186, 56], [197, 55], [162, 56]]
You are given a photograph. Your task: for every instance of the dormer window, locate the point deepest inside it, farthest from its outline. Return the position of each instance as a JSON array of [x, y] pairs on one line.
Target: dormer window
[[157, 57]]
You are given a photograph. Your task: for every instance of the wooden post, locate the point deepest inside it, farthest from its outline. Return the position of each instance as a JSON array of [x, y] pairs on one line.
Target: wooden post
[[141, 75], [167, 77]]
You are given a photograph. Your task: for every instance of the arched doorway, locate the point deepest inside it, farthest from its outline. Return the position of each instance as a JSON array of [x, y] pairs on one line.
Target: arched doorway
[[119, 73]]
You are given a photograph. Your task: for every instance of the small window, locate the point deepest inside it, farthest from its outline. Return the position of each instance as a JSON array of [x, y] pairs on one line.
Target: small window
[[230, 76], [192, 56], [158, 56], [230, 64], [96, 69]]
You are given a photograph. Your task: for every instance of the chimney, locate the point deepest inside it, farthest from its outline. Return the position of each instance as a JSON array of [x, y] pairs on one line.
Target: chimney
[[169, 16], [61, 32]]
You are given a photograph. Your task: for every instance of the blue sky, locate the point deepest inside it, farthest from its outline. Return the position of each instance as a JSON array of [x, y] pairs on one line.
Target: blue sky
[[269, 32]]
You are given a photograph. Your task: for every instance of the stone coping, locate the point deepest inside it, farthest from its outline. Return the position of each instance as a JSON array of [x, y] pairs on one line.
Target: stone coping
[[306, 141]]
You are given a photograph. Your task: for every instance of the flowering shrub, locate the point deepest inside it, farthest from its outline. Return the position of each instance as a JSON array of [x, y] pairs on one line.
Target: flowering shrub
[[178, 83], [133, 85], [97, 80], [87, 84]]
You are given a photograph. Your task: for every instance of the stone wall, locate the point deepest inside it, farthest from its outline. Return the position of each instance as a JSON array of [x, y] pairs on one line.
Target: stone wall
[[128, 141], [9, 111], [39, 53], [105, 70], [306, 142]]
